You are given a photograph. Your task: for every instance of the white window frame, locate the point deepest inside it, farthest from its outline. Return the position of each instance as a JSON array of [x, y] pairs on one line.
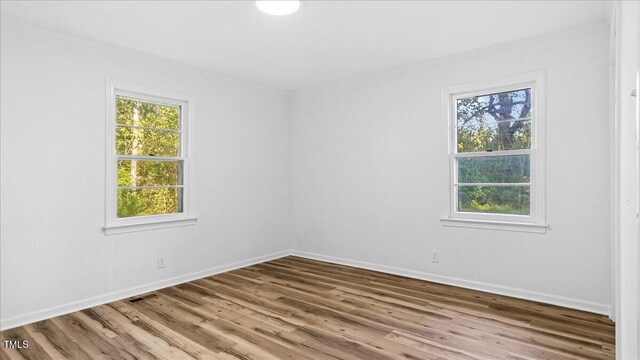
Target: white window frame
[[113, 224], [536, 221]]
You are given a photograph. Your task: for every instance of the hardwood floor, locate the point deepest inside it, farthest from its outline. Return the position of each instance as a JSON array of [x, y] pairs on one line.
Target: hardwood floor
[[295, 308]]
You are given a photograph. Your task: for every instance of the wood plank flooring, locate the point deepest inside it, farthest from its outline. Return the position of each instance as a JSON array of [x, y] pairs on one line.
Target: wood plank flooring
[[295, 308]]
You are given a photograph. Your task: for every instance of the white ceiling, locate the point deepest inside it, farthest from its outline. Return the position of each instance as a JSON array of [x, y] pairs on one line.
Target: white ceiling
[[324, 42]]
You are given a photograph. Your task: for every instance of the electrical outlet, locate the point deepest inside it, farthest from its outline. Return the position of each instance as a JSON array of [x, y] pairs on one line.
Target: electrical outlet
[[435, 257], [161, 263]]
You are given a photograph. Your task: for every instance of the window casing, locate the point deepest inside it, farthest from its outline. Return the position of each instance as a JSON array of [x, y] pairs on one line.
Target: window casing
[[147, 159], [495, 154]]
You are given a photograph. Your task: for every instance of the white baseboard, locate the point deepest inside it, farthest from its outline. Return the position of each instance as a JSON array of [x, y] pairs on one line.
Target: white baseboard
[[475, 285], [123, 294], [597, 308]]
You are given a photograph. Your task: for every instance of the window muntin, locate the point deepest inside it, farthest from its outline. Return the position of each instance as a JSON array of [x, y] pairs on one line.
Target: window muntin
[[148, 146], [492, 153]]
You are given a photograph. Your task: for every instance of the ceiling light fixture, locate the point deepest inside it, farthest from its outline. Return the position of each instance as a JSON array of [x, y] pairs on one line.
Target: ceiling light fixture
[[283, 7]]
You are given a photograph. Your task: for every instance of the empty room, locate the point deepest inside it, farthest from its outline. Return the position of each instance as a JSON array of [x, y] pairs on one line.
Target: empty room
[[320, 180]]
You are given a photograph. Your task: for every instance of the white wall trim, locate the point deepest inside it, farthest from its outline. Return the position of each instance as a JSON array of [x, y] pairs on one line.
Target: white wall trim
[[614, 140], [495, 225], [578, 304], [152, 225], [123, 294], [447, 280]]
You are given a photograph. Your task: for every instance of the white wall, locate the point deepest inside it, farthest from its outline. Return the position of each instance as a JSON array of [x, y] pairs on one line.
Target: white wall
[[627, 29], [350, 171], [368, 161], [54, 256]]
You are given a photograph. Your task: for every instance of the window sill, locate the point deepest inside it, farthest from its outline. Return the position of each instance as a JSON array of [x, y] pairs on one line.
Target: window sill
[[121, 229], [495, 225]]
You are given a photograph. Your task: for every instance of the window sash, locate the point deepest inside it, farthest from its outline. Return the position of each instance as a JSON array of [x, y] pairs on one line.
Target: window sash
[[455, 184], [491, 184], [455, 155], [148, 98], [153, 158], [114, 224], [497, 121], [150, 158], [148, 128], [150, 187], [492, 153]]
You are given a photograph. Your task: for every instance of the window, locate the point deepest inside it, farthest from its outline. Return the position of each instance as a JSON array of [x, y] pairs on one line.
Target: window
[[496, 154], [147, 159]]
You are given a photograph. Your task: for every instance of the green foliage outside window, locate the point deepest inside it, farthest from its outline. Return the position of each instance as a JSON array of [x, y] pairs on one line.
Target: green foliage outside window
[[494, 200], [148, 186]]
